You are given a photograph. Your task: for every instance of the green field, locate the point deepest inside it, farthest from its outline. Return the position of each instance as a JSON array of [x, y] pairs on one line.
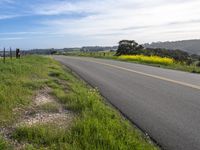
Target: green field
[[105, 54], [94, 123]]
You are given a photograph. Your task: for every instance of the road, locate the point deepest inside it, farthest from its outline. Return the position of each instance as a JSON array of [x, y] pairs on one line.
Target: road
[[163, 103]]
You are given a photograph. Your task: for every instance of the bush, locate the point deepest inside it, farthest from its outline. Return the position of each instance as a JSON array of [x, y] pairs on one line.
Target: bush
[[198, 64], [127, 47]]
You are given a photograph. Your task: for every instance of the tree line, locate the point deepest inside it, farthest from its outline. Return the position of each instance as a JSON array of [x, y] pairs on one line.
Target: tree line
[[130, 47]]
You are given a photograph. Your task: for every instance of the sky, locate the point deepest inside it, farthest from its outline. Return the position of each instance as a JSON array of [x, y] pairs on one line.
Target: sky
[[28, 24]]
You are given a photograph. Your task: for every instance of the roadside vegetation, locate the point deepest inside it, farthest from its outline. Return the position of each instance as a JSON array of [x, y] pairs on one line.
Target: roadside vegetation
[[4, 145], [100, 54], [133, 52], [19, 78], [148, 59], [44, 106]]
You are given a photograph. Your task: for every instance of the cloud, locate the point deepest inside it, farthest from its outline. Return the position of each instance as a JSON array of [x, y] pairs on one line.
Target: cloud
[[8, 10], [26, 33], [65, 7], [6, 1], [96, 6], [11, 38], [119, 15], [109, 21], [3, 17], [128, 15]]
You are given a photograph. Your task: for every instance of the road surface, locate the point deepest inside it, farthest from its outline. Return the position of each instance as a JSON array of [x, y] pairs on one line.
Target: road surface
[[163, 103]]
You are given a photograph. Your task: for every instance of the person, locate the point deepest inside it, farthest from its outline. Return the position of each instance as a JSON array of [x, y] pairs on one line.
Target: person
[[17, 53]]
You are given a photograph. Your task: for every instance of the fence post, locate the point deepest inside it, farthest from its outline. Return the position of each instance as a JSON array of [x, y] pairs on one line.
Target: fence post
[[4, 55], [10, 53]]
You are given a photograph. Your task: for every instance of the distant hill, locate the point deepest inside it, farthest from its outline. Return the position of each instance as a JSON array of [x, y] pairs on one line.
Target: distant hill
[[190, 46], [86, 49], [98, 48]]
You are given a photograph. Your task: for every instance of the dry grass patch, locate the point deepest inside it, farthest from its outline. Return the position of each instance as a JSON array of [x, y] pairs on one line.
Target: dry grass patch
[[60, 119], [47, 110]]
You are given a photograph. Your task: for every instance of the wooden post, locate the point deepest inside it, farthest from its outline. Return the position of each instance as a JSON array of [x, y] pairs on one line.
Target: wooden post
[[10, 53], [4, 55]]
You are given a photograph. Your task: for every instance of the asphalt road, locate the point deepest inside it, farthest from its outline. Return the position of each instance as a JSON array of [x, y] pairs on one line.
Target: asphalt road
[[163, 103]]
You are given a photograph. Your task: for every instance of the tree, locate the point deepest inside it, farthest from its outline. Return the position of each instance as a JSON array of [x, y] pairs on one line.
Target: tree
[[198, 64], [53, 52], [128, 47]]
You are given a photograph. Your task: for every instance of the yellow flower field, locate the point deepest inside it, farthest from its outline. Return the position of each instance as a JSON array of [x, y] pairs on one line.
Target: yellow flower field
[[148, 59]]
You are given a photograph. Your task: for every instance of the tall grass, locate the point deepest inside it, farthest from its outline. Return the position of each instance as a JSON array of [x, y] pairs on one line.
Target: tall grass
[[148, 59], [97, 126], [18, 80], [4, 144]]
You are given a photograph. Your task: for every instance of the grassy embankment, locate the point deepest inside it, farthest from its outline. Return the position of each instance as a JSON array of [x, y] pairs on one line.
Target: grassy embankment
[[109, 55], [96, 125], [140, 59]]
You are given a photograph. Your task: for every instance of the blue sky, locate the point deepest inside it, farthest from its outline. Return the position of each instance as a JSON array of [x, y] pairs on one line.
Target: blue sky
[[72, 23]]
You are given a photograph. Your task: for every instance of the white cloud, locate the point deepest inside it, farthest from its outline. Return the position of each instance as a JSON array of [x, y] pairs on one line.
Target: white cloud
[[7, 16], [6, 1], [152, 18], [11, 38], [108, 21]]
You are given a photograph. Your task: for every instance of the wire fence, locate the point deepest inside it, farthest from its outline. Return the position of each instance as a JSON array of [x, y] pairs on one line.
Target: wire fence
[[9, 53]]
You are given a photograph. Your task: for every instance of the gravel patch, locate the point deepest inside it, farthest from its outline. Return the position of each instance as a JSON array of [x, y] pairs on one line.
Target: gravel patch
[[59, 119], [34, 115], [43, 97]]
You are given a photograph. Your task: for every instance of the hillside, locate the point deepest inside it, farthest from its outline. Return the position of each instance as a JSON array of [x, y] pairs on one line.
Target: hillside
[[190, 46], [98, 48]]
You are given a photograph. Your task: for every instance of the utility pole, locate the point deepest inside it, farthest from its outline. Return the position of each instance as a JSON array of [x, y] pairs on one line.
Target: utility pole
[[4, 55]]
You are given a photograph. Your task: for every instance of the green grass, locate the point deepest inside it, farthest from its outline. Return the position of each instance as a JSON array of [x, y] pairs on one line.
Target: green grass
[[18, 80], [41, 136], [174, 66], [50, 107], [105, 54], [97, 126], [4, 144]]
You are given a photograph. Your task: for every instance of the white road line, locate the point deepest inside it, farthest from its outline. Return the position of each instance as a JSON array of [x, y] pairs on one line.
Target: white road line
[[145, 74]]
